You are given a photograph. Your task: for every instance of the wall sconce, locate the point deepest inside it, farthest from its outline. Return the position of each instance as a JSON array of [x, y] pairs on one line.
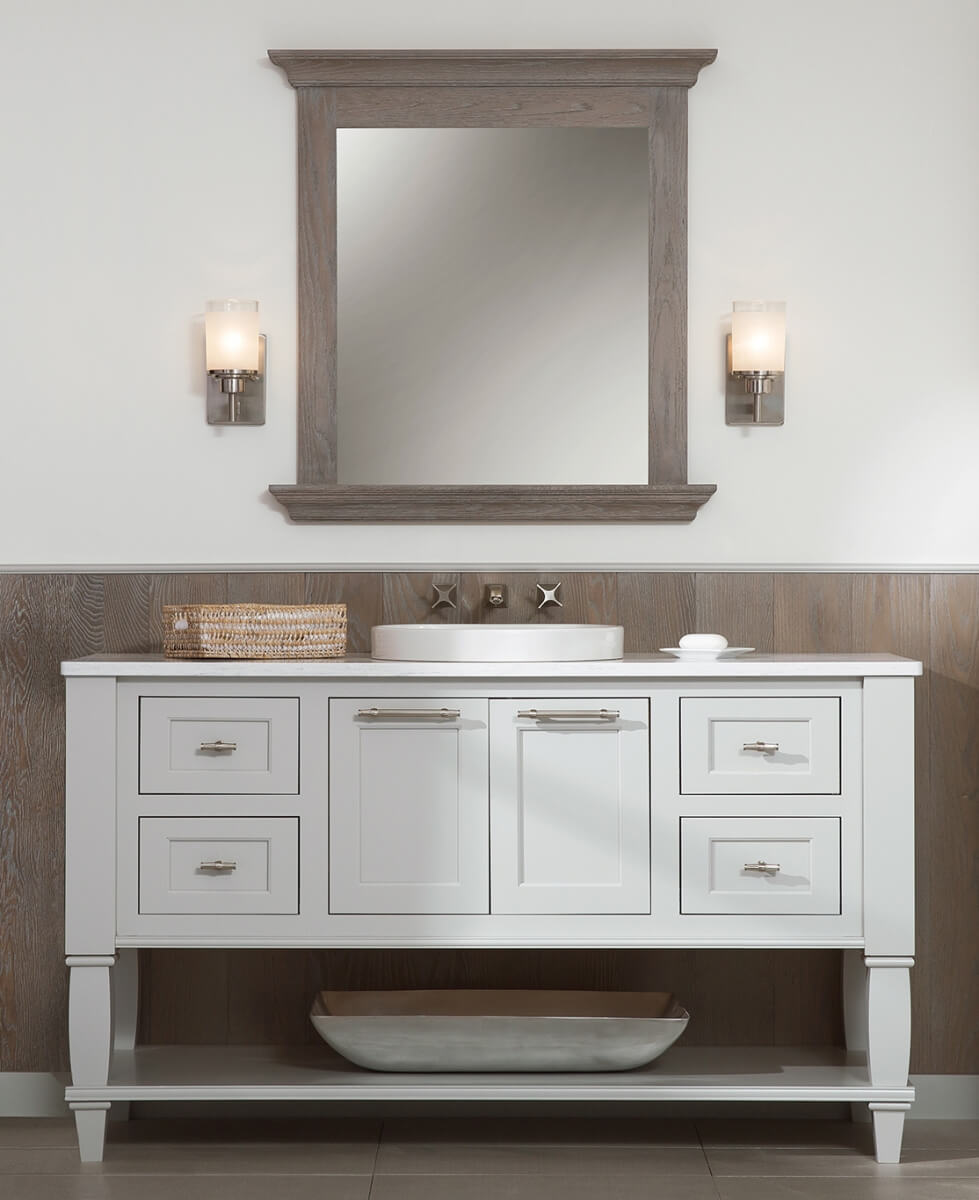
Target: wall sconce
[[756, 363], [235, 352]]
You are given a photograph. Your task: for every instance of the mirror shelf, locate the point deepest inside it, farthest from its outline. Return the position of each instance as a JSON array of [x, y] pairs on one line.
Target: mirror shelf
[[478, 505], [337, 90]]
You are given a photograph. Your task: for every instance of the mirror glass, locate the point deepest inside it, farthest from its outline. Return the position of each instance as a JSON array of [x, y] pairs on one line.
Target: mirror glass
[[492, 319]]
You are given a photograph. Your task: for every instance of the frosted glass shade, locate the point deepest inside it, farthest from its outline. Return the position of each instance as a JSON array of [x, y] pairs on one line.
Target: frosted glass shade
[[231, 335], [758, 335]]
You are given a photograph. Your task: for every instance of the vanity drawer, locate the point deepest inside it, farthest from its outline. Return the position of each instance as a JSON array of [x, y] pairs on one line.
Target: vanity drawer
[[202, 865], [758, 746], [771, 865], [214, 745]]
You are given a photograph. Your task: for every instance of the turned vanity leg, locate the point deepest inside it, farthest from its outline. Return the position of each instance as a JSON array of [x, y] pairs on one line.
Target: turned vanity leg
[[90, 1045], [855, 1016], [125, 1014], [888, 1047]]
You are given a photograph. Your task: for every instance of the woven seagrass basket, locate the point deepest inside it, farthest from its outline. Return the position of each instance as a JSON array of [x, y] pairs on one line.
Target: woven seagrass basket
[[254, 630]]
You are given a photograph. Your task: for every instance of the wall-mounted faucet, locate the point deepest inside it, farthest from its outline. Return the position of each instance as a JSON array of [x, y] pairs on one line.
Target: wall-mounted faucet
[[547, 596], [496, 595]]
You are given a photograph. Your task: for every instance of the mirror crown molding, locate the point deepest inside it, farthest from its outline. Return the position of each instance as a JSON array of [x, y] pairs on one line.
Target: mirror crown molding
[[496, 68], [494, 89]]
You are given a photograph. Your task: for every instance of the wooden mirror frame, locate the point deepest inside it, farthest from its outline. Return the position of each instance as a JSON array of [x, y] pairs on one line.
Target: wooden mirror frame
[[491, 88]]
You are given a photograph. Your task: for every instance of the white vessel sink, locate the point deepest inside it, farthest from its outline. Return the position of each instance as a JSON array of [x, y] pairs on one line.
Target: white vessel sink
[[496, 643]]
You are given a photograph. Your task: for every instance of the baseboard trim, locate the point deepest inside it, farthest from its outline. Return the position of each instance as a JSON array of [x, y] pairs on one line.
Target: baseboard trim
[[945, 1097], [32, 1094], [938, 1097]]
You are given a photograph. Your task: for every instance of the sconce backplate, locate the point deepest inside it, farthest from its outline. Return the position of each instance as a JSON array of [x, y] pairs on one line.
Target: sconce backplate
[[251, 398], [740, 405]]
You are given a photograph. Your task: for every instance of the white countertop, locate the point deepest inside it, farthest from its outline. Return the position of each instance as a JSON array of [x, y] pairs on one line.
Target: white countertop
[[632, 666]]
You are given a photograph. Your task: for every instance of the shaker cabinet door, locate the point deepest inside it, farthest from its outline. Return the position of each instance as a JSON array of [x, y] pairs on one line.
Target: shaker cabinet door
[[570, 806], [408, 806]]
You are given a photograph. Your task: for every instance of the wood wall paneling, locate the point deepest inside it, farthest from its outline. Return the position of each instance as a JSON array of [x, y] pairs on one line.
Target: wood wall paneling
[[781, 997], [34, 624], [656, 608], [947, 1037]]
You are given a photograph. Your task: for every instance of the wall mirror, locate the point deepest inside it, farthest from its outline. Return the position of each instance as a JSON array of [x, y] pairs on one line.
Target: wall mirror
[[492, 286]]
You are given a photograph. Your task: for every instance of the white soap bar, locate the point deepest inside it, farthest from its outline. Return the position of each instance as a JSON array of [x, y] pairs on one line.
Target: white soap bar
[[703, 641]]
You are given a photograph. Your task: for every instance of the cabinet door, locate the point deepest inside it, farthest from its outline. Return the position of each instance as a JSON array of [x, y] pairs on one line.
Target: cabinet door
[[408, 806], [570, 806]]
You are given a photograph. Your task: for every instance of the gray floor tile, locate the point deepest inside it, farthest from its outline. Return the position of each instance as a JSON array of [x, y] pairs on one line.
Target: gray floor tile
[[744, 1133], [847, 1189], [543, 1131], [451, 1158], [231, 1130], [176, 1158], [829, 1161], [957, 1135], [537, 1187], [37, 1131], [206, 1187]]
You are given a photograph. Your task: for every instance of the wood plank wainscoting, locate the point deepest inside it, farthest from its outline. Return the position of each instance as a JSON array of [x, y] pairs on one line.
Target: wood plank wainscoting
[[746, 997]]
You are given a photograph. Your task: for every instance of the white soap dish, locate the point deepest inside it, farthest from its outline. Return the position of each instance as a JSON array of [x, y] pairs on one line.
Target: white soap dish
[[686, 655]]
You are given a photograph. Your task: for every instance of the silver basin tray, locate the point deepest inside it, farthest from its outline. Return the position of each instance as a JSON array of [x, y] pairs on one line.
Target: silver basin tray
[[499, 1029]]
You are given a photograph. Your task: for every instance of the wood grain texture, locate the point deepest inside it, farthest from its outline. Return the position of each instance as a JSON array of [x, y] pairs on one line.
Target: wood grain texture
[[491, 68], [133, 606], [785, 997], [274, 587], [184, 996], [947, 993], [668, 286], [477, 107], [361, 592], [657, 609], [316, 234], [814, 613], [407, 598], [741, 607], [491, 504], [33, 983]]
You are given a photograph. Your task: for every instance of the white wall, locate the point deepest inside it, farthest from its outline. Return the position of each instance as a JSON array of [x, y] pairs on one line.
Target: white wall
[[148, 164]]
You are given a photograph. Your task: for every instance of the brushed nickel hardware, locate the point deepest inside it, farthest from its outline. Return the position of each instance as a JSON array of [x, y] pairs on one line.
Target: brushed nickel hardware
[[496, 596], [569, 714], [445, 595], [761, 747], [219, 746], [442, 714], [547, 596], [236, 363], [756, 364], [220, 864], [763, 868]]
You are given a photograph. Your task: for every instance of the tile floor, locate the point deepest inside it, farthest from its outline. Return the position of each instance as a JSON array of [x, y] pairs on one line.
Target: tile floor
[[488, 1159]]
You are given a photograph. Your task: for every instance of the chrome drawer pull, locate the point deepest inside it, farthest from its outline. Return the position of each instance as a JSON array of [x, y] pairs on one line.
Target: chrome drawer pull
[[569, 714], [219, 746], [762, 747], [763, 868], [219, 864], [440, 714]]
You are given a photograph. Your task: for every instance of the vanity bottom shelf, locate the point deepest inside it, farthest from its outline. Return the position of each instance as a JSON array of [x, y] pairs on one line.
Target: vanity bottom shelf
[[316, 1073]]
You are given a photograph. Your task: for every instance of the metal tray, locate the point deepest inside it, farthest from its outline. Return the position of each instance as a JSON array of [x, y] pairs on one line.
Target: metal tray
[[498, 1030]]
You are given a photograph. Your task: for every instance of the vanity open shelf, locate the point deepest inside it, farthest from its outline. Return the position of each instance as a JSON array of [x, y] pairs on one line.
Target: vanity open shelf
[[765, 801], [314, 1073]]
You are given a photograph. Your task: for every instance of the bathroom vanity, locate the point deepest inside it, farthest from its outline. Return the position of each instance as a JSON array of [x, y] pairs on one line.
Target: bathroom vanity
[[765, 801]]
